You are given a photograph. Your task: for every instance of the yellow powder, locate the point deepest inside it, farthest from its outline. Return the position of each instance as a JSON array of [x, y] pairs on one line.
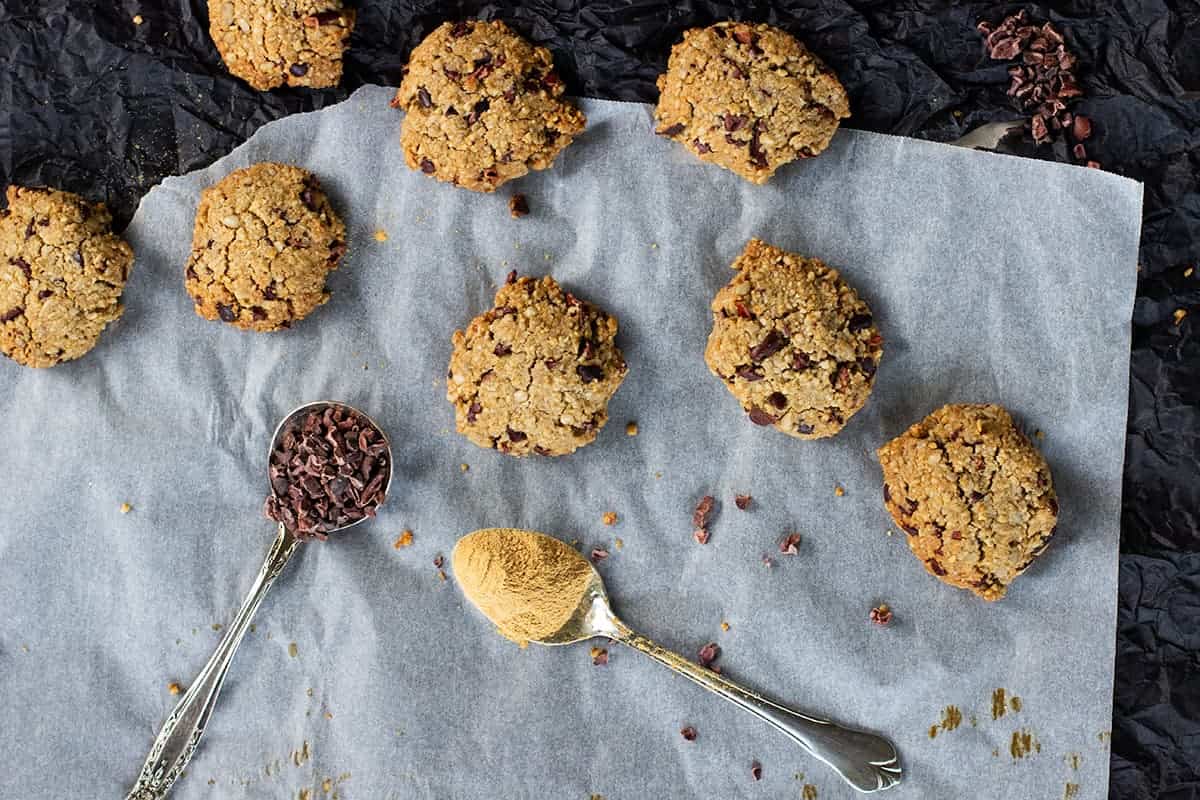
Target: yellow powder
[[528, 584]]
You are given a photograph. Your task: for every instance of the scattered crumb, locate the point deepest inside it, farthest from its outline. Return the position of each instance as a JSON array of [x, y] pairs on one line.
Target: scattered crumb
[[688, 732], [839, 491], [999, 703], [174, 688], [995, 752], [709, 653], [301, 755], [631, 428], [404, 540], [442, 575], [216, 626], [464, 467], [1071, 791], [755, 770], [951, 718], [790, 545], [767, 561], [609, 518], [618, 543], [933, 731], [742, 501], [126, 508], [599, 656], [327, 785], [1179, 314], [381, 235], [328, 715], [657, 475], [974, 721], [1039, 434], [599, 554], [1014, 703], [518, 206], [1023, 743], [24, 648], [305, 794], [724, 626], [438, 561], [1104, 736], [137, 19], [881, 615], [1073, 760], [654, 245], [309, 692], [253, 628], [809, 792], [700, 535], [293, 650], [1187, 273]]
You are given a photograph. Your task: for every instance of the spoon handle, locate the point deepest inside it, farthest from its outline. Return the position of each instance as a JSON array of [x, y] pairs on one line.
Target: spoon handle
[[181, 732], [867, 762]]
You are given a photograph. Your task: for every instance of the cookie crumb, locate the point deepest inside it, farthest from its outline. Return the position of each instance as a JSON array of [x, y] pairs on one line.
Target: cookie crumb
[[1179, 314], [688, 732], [328, 715], [839, 491], [1039, 434], [631, 428], [137, 19], [790, 545], [756, 770], [126, 508], [724, 626], [609, 518], [293, 650], [216, 626], [405, 539], [618, 543], [708, 654], [599, 656], [381, 235], [700, 535], [442, 575], [742, 501], [174, 688], [1187, 273], [327, 785], [599, 554], [464, 467], [881, 614], [518, 206]]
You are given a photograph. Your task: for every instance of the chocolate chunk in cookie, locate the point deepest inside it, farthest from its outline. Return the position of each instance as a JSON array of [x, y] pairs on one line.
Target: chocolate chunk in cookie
[[482, 106], [270, 43], [750, 98], [793, 342], [973, 495], [62, 272], [265, 240], [535, 373]]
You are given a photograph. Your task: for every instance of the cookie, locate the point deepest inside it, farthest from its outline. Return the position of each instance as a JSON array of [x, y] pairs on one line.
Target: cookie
[[535, 373], [264, 242], [973, 495], [793, 342], [270, 43], [62, 271], [482, 106], [749, 98]]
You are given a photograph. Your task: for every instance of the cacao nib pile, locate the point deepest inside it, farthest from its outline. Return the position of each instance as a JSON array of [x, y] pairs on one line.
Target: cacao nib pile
[[1043, 79], [328, 469]]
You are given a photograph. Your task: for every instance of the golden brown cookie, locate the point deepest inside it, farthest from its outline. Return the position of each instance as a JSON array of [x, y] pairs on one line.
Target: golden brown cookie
[[482, 106], [62, 271], [973, 494], [793, 342], [269, 43], [264, 242], [749, 98], [535, 373]]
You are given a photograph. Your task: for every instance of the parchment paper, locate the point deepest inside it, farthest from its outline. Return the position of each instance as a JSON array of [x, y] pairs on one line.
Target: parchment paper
[[992, 278]]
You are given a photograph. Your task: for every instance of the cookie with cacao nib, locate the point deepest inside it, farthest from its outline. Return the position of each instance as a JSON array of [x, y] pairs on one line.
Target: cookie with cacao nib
[[62, 272], [793, 342], [749, 98], [535, 373], [482, 106], [271, 43], [973, 495], [265, 240]]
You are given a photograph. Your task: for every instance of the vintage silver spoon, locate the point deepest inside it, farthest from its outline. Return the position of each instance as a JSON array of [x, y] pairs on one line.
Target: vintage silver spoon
[[181, 732], [866, 761]]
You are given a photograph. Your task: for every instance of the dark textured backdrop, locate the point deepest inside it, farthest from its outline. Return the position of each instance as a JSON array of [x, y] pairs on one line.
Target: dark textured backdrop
[[91, 102]]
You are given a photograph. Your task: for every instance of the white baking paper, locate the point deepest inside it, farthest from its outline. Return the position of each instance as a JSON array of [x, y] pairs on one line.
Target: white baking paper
[[992, 279]]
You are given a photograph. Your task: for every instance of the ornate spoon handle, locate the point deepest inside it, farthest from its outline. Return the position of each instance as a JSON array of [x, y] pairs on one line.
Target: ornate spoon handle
[[181, 732], [868, 762]]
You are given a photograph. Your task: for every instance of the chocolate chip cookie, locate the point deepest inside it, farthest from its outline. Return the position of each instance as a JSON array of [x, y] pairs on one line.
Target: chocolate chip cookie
[[265, 240], [269, 43], [483, 106], [62, 271], [793, 342], [973, 494], [535, 373], [749, 98]]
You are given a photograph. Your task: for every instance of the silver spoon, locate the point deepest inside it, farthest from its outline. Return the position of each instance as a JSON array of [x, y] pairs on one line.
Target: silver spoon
[[180, 734], [867, 762]]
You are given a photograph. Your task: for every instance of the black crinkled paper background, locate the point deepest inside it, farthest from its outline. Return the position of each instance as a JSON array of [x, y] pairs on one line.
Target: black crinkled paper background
[[93, 103]]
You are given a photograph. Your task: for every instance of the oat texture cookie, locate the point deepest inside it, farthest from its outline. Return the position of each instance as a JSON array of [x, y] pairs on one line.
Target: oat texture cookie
[[793, 342], [749, 98], [482, 106], [973, 494], [535, 373], [270, 43], [62, 271], [265, 240]]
